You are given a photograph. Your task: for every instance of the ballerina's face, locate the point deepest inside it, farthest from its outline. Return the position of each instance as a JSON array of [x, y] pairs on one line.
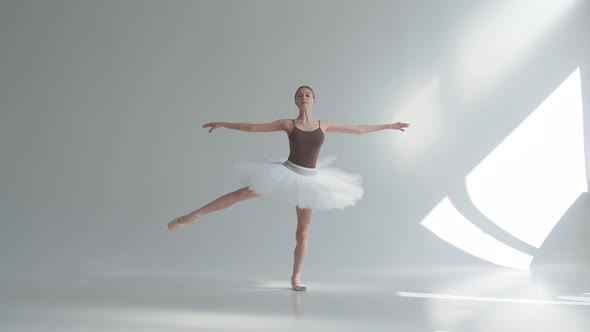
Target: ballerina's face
[[304, 97]]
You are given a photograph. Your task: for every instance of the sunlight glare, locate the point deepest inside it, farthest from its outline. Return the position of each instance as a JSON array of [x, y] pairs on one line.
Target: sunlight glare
[[498, 38], [488, 299], [421, 108]]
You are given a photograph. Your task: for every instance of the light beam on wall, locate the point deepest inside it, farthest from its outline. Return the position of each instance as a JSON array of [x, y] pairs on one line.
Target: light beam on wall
[[529, 181], [526, 184], [450, 225]]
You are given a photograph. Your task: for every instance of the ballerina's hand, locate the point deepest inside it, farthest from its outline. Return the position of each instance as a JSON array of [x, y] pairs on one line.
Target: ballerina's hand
[[400, 126], [212, 125]]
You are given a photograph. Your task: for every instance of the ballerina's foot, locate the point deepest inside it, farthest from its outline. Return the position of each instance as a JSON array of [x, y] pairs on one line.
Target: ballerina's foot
[[183, 221], [297, 286]]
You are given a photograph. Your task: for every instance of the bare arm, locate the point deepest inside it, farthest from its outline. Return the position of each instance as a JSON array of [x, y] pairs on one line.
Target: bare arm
[[363, 129], [279, 125]]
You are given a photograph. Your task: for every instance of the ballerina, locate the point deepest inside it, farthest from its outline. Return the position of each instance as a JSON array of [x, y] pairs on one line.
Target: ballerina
[[302, 180]]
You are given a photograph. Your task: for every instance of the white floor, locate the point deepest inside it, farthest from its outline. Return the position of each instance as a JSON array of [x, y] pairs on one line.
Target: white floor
[[555, 298]]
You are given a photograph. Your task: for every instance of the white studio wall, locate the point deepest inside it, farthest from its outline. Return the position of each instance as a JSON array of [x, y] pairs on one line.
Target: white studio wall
[[102, 103]]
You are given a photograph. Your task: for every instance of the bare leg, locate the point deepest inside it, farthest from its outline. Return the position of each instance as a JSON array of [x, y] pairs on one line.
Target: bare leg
[[303, 222], [220, 203]]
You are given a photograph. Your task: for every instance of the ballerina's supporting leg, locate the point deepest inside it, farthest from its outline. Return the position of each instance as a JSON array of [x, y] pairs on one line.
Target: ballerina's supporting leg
[[303, 223], [220, 203]]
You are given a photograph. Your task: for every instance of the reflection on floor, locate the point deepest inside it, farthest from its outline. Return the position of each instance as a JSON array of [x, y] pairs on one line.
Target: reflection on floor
[[549, 298]]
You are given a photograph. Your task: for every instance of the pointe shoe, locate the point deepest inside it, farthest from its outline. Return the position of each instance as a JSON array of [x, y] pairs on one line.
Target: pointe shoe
[[183, 221], [298, 286]]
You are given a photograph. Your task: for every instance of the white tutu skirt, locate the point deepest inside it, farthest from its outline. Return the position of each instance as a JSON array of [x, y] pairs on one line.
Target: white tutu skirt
[[323, 187]]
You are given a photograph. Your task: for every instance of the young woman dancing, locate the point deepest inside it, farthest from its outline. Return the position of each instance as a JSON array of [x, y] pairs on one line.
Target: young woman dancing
[[302, 180]]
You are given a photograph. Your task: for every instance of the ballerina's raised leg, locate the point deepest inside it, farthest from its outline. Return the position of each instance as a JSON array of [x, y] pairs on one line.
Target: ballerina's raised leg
[[301, 235], [220, 203]]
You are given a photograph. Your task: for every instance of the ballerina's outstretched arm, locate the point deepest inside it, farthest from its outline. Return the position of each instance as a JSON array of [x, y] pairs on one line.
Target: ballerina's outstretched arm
[[362, 129], [278, 125]]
